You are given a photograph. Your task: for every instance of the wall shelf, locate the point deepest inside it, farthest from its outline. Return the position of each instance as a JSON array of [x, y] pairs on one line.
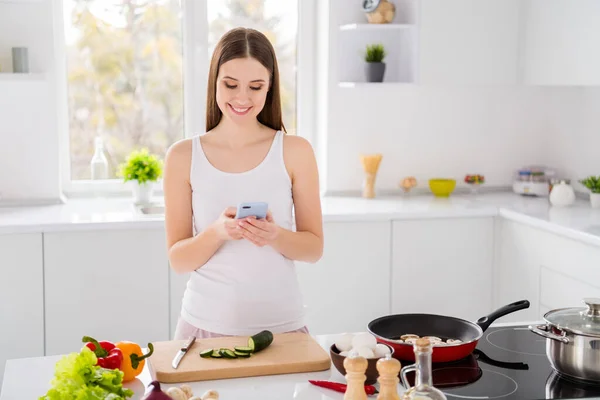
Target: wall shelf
[[21, 77], [399, 39], [375, 27], [22, 1], [373, 84]]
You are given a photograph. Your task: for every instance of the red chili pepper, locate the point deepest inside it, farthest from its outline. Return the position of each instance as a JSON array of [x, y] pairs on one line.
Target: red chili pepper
[[341, 387], [109, 356]]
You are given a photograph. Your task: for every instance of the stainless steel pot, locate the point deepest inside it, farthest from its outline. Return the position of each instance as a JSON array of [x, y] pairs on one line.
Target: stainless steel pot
[[573, 340]]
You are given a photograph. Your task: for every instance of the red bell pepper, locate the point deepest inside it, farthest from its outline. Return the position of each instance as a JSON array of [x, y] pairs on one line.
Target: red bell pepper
[[109, 356], [341, 387]]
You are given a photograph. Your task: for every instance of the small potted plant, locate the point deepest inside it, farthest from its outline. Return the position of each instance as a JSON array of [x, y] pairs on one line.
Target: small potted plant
[[593, 184], [375, 67], [142, 169]]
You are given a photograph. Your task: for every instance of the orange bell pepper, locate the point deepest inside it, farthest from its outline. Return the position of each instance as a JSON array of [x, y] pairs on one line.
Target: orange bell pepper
[[133, 359]]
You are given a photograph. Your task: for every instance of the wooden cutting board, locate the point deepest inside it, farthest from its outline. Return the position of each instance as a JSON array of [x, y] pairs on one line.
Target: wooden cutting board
[[289, 353]]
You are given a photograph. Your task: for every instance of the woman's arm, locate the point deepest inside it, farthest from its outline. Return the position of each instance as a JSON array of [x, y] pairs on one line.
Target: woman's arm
[[306, 244], [186, 252]]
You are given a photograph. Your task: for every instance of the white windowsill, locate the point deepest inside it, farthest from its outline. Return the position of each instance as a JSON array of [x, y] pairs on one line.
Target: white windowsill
[[108, 188]]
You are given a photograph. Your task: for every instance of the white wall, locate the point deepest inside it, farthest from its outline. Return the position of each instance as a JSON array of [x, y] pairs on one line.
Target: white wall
[[442, 132], [29, 155], [577, 143]]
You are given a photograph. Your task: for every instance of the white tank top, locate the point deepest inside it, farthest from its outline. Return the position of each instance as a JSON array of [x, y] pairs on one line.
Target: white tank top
[[243, 288]]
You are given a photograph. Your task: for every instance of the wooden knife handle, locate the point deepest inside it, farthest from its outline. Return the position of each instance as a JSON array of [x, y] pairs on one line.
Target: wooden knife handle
[[189, 343]]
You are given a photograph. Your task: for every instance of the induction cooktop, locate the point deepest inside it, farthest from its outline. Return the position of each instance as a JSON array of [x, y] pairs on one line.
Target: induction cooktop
[[508, 363]]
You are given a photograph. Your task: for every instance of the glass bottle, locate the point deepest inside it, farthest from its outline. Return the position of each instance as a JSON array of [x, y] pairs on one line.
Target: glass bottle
[[423, 389], [99, 163]]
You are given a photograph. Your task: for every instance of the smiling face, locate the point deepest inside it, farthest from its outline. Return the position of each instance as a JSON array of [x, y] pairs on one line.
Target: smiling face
[[242, 87], [243, 81]]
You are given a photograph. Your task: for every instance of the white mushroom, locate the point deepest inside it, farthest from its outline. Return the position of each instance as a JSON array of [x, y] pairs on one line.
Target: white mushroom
[[453, 341], [409, 336], [187, 390], [176, 394], [344, 342], [210, 395], [433, 339]]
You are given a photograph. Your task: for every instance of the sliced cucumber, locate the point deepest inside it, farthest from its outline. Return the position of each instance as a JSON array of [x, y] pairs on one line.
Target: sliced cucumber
[[206, 353], [260, 341], [242, 354], [227, 353], [243, 349], [216, 354]]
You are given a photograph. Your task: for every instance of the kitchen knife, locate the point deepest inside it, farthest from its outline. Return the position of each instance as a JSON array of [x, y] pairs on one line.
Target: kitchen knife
[[184, 349]]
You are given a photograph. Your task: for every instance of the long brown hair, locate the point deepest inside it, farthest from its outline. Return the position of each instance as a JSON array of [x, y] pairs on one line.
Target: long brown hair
[[242, 43]]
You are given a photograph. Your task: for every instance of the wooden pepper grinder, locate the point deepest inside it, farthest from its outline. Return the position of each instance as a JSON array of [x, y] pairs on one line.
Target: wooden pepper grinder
[[388, 368], [355, 378]]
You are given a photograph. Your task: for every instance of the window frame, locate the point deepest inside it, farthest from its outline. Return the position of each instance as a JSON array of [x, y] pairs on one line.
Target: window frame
[[195, 71]]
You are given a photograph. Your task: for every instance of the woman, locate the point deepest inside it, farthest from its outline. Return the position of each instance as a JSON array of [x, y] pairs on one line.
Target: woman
[[243, 277]]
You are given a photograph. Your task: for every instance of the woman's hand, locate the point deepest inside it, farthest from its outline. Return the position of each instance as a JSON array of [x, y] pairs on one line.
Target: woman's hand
[[261, 232], [226, 226]]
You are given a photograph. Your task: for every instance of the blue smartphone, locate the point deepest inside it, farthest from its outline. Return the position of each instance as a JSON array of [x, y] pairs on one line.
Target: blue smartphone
[[257, 209]]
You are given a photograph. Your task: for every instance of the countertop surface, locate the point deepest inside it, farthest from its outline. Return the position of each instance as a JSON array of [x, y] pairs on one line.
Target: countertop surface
[[19, 384], [29, 378], [579, 221]]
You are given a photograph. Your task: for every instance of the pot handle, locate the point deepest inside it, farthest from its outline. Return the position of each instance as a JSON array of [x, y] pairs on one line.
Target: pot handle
[[485, 322], [542, 330], [404, 372]]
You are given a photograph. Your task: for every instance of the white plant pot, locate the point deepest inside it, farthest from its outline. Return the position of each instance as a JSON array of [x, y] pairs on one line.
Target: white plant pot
[[595, 200], [142, 192]]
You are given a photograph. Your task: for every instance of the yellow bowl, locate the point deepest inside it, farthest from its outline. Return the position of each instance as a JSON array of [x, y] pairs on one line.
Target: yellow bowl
[[442, 187]]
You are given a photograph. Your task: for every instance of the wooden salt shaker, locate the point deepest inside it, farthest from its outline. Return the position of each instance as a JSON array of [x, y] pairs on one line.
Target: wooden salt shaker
[[355, 378], [388, 369]]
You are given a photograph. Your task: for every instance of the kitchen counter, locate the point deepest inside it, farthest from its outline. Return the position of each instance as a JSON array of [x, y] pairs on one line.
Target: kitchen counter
[[29, 378], [19, 382], [579, 222]]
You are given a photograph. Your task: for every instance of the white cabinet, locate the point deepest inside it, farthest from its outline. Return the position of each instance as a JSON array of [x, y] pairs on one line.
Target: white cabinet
[[21, 297], [549, 270], [443, 266], [519, 252], [111, 285], [350, 285], [469, 42], [561, 42]]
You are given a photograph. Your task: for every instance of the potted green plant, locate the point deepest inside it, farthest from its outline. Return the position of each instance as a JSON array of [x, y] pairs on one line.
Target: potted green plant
[[375, 67], [142, 169], [593, 184]]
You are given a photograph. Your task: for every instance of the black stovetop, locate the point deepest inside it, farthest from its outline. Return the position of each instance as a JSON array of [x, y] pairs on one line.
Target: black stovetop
[[508, 363]]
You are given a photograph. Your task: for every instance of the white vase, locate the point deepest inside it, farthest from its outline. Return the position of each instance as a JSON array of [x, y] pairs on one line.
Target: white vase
[[562, 195], [595, 200], [142, 192]]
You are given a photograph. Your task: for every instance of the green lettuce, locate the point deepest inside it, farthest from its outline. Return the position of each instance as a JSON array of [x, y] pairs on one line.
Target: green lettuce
[[77, 377]]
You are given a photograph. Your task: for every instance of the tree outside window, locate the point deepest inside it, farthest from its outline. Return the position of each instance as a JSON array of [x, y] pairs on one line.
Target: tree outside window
[[125, 70]]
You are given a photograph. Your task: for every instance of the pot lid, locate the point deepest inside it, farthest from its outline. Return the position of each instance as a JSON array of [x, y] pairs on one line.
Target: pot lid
[[580, 320]]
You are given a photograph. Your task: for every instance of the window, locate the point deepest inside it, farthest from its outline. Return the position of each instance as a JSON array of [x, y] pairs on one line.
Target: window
[[278, 20], [125, 78], [134, 67]]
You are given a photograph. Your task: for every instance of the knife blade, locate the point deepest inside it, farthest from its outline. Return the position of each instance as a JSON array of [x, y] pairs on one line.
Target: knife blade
[[184, 349]]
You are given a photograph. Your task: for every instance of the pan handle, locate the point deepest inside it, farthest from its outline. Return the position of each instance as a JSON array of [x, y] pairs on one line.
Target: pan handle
[[485, 322], [404, 372], [481, 356]]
